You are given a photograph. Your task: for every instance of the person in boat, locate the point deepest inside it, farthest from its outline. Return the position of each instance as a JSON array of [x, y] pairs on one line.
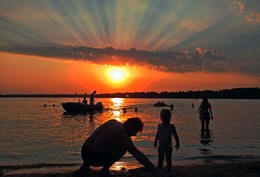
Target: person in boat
[[205, 113], [160, 103], [164, 134], [92, 100], [109, 142]]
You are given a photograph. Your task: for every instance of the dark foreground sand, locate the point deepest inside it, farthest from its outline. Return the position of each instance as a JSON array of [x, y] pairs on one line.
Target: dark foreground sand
[[246, 169]]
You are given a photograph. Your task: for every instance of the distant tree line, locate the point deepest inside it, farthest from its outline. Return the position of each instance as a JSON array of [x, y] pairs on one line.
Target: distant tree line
[[235, 93]]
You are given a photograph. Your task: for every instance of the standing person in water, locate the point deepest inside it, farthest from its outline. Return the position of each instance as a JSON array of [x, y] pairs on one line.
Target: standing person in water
[[109, 142], [92, 100], [205, 113], [164, 134]]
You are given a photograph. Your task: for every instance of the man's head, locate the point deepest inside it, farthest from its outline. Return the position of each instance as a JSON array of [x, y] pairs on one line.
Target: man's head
[[165, 115], [133, 126]]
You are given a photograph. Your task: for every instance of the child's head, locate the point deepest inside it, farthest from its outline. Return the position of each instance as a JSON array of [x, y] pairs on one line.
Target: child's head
[[165, 115]]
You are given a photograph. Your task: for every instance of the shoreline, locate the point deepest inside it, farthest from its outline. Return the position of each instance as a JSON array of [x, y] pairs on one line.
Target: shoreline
[[234, 169], [232, 93]]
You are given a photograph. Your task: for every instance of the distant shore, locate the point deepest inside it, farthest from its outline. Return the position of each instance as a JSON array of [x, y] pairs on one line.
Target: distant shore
[[235, 93], [240, 169]]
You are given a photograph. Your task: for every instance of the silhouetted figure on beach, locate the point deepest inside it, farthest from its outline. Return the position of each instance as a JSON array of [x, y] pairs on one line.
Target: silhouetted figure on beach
[[171, 106], [164, 134], [92, 100], [135, 109], [109, 142], [205, 113], [192, 105]]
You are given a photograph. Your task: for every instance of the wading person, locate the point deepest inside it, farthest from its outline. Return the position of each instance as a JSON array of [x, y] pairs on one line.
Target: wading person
[[205, 113]]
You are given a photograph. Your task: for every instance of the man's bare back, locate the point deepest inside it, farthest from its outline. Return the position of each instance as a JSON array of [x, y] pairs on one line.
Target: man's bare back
[[108, 136]]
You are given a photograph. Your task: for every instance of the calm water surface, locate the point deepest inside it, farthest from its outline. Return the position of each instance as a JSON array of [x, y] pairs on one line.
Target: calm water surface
[[32, 134]]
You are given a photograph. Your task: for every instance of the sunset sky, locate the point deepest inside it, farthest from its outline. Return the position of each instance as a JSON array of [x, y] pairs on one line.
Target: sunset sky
[[65, 46]]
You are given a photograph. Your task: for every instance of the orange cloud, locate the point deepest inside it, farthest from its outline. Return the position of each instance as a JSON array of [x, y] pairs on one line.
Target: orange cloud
[[240, 4], [253, 17]]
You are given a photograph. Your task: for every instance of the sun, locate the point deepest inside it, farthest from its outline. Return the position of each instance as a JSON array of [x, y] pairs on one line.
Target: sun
[[117, 75]]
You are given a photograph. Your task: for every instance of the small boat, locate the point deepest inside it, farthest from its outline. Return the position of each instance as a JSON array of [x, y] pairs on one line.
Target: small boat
[[160, 104], [77, 107]]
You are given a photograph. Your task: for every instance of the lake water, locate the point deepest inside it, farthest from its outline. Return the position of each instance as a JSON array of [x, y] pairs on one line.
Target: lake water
[[34, 134]]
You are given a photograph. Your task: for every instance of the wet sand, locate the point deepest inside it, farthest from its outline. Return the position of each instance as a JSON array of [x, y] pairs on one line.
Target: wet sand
[[245, 169]]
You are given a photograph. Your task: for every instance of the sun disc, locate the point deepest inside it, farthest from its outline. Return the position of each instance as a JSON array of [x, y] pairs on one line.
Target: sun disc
[[117, 75]]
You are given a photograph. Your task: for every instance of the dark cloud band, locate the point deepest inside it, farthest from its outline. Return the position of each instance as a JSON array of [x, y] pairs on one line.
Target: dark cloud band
[[205, 60]]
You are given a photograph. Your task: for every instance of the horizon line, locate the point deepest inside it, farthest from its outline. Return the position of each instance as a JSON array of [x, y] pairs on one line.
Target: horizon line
[[75, 93]]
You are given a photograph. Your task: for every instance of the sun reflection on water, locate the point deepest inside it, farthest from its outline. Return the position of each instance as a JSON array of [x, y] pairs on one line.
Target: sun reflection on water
[[117, 105], [124, 166], [118, 102]]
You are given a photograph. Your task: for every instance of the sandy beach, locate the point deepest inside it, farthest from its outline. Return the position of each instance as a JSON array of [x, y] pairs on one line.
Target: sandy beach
[[245, 169]]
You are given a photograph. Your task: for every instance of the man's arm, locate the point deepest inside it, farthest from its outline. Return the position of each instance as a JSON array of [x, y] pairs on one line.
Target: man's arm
[[140, 156]]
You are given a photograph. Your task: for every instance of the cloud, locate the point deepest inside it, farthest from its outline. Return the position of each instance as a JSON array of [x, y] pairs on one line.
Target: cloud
[[240, 5], [253, 17], [206, 60]]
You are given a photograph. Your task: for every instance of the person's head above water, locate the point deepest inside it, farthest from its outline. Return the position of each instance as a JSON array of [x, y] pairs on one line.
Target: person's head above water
[[165, 115]]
